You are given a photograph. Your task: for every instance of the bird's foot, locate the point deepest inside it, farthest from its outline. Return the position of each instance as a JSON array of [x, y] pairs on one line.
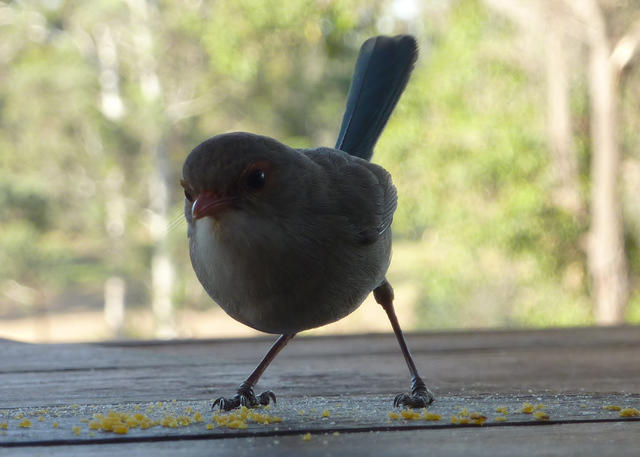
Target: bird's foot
[[420, 397], [245, 397]]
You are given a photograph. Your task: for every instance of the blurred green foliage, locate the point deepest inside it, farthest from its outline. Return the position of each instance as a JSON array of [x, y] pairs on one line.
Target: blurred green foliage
[[469, 155], [478, 234]]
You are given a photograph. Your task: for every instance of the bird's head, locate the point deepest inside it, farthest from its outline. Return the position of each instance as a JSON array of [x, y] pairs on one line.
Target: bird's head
[[235, 172]]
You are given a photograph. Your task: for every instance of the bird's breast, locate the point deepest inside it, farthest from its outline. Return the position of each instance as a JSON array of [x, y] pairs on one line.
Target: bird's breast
[[280, 282]]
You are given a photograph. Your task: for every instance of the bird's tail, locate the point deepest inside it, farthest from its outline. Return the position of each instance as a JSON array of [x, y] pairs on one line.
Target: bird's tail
[[379, 78]]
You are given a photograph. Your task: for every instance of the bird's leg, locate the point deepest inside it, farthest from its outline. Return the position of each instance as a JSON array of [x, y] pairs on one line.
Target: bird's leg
[[420, 396], [245, 395]]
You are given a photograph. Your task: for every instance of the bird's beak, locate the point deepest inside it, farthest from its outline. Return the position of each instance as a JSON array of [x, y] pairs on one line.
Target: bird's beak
[[210, 204]]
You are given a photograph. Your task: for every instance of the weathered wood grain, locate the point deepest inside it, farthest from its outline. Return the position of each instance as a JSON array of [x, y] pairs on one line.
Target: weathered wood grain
[[573, 372], [603, 440]]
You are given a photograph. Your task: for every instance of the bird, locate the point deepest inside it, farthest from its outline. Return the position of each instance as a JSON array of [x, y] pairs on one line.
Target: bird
[[286, 239]]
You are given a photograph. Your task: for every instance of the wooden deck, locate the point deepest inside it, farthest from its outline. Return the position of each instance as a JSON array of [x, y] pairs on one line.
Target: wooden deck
[[352, 380]]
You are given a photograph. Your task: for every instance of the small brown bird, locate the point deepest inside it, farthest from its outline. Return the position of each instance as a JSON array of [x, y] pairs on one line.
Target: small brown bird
[[285, 239]]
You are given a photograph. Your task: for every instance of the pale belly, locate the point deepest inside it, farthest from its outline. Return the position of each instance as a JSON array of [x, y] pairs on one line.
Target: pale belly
[[276, 294]]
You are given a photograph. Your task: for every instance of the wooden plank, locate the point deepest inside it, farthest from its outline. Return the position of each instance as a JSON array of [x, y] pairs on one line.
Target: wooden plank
[[304, 414], [489, 362], [574, 372], [585, 440]]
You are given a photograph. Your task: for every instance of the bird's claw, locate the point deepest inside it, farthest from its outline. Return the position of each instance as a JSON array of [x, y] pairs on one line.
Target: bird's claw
[[420, 397], [266, 397], [226, 404], [413, 400], [245, 397]]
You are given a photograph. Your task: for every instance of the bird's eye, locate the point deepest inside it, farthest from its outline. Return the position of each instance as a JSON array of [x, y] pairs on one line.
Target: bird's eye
[[187, 192], [256, 179]]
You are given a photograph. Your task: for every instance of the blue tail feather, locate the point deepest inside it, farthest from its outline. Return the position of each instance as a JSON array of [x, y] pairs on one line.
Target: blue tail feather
[[379, 78]]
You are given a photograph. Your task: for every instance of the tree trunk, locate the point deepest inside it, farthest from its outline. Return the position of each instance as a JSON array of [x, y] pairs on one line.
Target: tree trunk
[[162, 269], [115, 286], [606, 252], [112, 107], [563, 158], [547, 19]]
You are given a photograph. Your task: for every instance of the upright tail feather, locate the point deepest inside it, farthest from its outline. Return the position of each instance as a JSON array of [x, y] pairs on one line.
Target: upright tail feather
[[379, 78]]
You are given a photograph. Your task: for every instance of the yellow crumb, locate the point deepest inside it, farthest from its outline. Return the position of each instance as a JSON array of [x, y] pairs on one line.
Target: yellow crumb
[[541, 406], [502, 410], [26, 423], [41, 418], [466, 417], [410, 414], [501, 419], [183, 420], [629, 412], [301, 412], [477, 418], [325, 413], [4, 425], [18, 416], [336, 433], [460, 420], [55, 425], [431, 416], [239, 424], [169, 421], [394, 416], [239, 418], [120, 429], [612, 407], [122, 422], [306, 437], [76, 430], [541, 416], [527, 408]]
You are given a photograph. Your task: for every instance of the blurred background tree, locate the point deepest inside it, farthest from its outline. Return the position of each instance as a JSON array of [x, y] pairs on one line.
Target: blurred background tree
[[514, 150]]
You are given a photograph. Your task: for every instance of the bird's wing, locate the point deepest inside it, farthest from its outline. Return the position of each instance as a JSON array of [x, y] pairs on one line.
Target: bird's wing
[[359, 191]]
